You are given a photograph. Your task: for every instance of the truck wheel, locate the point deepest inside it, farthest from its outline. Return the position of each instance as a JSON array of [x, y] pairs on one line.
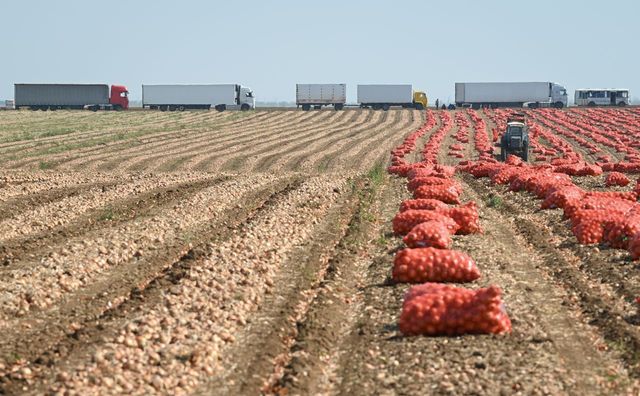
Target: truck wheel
[[245, 107], [376, 107], [32, 108], [419, 106], [475, 106], [317, 107], [163, 108], [306, 107], [558, 105], [94, 108], [221, 108], [117, 108], [338, 106], [621, 104], [385, 107], [591, 104]]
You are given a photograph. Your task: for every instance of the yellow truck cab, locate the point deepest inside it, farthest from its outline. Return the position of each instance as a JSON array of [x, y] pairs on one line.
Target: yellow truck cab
[[420, 98]]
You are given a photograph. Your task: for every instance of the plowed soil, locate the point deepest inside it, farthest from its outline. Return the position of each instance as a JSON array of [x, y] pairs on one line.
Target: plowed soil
[[248, 253]]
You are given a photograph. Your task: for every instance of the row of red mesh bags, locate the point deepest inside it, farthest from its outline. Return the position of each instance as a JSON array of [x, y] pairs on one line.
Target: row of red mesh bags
[[427, 223], [595, 217]]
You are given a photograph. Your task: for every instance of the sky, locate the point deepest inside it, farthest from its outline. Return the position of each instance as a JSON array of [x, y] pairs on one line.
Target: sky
[[272, 45]]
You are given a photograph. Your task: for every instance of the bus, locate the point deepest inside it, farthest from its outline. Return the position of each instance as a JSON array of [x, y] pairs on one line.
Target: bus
[[602, 97]]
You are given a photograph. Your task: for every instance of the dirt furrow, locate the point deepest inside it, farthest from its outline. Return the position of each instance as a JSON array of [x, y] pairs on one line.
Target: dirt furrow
[[27, 250], [551, 349], [87, 320], [212, 137], [184, 337], [186, 137], [266, 146]]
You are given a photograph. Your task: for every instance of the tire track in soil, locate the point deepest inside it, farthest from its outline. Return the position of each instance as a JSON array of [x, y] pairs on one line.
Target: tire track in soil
[[144, 205], [574, 267], [69, 332], [264, 346], [550, 350]]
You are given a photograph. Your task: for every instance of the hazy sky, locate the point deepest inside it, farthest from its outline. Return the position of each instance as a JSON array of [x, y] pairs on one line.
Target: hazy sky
[[272, 45]]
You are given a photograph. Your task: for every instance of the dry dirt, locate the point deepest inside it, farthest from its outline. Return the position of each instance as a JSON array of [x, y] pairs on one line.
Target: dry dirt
[[247, 253]]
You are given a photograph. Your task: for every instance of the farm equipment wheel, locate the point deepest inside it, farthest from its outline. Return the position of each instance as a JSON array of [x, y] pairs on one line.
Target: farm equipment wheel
[[245, 107], [419, 106], [558, 105], [591, 104], [306, 107], [385, 107], [338, 106], [525, 152]]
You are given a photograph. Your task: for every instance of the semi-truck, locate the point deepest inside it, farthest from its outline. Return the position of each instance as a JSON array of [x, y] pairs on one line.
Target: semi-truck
[[319, 95], [510, 94], [384, 96], [197, 96], [71, 96]]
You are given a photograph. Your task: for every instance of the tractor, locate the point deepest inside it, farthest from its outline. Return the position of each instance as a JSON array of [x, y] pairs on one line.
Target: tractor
[[515, 140]]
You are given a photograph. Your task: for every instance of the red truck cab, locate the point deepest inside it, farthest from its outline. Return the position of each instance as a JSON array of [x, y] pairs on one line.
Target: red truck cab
[[119, 97]]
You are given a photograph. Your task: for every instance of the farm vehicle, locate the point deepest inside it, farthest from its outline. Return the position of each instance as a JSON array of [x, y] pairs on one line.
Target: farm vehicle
[[515, 140]]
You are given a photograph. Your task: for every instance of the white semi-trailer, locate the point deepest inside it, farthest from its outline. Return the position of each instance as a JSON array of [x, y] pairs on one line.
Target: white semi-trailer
[[318, 95], [197, 96], [384, 96], [510, 94]]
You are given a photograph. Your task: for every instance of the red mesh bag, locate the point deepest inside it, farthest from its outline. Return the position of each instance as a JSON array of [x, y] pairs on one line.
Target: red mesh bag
[[616, 179], [434, 265], [618, 233], [403, 222], [429, 234], [466, 216], [562, 196], [446, 194], [589, 231], [434, 309], [425, 204], [432, 181]]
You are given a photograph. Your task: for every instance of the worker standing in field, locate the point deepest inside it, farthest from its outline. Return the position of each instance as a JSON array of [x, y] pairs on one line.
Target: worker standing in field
[[437, 103]]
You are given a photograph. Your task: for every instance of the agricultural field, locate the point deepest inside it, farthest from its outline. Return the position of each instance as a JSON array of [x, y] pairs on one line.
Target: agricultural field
[[260, 252]]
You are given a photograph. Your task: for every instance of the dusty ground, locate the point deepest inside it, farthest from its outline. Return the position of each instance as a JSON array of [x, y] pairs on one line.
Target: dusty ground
[[240, 253]]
